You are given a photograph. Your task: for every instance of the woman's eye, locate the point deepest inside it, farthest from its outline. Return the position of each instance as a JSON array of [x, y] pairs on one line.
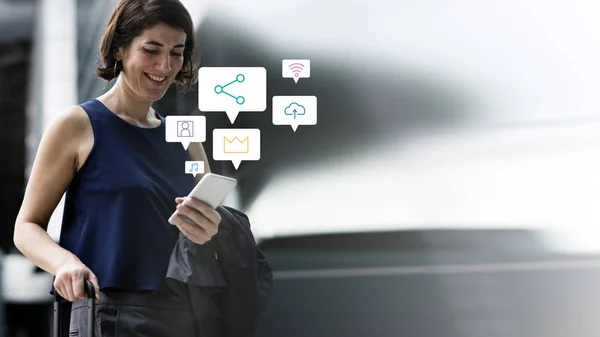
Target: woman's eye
[[150, 51], [177, 54]]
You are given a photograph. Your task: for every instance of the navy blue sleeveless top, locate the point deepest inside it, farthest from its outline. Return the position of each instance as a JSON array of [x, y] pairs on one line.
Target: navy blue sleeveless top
[[117, 206]]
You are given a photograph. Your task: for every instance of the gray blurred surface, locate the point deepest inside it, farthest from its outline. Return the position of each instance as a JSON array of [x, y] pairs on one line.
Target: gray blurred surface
[[16, 20], [430, 284], [2, 314], [542, 303]]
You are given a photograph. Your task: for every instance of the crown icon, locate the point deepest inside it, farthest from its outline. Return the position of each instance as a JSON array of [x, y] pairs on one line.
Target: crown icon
[[236, 145]]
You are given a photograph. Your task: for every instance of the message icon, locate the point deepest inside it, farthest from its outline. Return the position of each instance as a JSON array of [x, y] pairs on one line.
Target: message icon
[[185, 130], [194, 167], [232, 89], [236, 145], [294, 110], [295, 69]]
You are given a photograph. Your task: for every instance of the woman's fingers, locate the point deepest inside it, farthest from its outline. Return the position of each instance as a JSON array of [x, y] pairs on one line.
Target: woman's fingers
[[193, 232], [68, 290], [198, 219], [203, 221], [58, 287], [210, 213], [70, 277], [92, 277], [78, 287], [192, 214], [198, 233], [64, 289]]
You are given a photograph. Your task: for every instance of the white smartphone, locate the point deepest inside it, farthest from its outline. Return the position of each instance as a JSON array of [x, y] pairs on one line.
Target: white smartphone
[[212, 190]]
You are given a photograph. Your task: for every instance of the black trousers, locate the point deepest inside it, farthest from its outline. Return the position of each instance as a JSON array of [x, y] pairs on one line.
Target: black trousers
[[140, 314]]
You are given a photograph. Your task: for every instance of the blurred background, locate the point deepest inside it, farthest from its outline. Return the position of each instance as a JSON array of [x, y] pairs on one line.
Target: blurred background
[[450, 187]]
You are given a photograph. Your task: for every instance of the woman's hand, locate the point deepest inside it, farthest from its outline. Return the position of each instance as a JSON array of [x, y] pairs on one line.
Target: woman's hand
[[201, 221], [70, 277]]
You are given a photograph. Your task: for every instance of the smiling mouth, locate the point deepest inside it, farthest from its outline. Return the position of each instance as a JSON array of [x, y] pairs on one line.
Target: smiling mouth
[[154, 78]]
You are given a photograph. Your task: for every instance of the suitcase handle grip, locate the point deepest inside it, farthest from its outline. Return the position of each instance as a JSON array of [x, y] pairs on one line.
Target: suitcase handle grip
[[90, 291]]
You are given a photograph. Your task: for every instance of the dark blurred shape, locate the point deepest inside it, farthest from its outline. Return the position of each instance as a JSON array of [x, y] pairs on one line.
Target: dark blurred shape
[[14, 72], [30, 320], [464, 283], [411, 240]]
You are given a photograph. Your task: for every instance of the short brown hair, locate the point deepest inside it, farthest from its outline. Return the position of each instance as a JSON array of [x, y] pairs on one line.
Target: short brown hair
[[130, 18]]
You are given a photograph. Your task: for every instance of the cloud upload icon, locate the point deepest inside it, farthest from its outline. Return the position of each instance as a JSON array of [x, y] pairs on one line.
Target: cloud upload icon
[[295, 109]]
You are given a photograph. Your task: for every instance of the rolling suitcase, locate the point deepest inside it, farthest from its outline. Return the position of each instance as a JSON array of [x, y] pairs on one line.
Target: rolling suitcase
[[90, 291]]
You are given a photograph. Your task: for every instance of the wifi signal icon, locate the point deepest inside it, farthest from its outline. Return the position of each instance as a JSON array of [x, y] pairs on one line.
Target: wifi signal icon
[[295, 69]]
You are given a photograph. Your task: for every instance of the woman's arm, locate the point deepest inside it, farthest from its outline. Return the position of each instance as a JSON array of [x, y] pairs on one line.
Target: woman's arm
[[53, 169]]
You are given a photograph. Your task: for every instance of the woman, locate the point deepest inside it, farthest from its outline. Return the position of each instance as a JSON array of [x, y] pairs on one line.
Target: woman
[[123, 181]]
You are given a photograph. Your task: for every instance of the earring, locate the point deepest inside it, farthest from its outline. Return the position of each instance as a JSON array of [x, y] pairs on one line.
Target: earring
[[115, 69]]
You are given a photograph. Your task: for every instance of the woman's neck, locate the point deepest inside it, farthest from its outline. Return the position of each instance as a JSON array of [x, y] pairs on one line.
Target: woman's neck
[[126, 105]]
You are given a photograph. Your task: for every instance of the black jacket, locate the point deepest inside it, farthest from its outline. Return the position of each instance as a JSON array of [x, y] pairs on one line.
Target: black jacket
[[228, 279]]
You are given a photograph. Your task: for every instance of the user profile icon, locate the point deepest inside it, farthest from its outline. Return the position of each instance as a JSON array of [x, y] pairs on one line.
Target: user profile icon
[[185, 128]]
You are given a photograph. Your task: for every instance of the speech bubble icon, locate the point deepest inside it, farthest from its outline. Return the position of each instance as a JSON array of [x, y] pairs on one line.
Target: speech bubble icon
[[194, 167], [294, 110], [295, 69], [236, 145], [185, 129], [232, 89]]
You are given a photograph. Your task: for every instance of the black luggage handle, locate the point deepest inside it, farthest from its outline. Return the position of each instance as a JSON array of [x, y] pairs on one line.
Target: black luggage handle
[[90, 291]]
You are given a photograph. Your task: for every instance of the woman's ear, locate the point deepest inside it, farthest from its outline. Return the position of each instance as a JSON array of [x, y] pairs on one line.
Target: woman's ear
[[120, 53]]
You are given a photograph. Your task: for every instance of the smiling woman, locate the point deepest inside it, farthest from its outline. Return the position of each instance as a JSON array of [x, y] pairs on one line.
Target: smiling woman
[[151, 34], [122, 182]]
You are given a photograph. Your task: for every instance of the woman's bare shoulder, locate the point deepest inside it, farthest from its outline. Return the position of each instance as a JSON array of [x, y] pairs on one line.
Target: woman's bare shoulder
[[73, 117], [71, 130]]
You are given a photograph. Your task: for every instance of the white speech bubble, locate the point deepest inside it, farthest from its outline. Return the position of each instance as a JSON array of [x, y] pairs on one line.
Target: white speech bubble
[[295, 69], [185, 130], [232, 89], [236, 145], [294, 110], [194, 167]]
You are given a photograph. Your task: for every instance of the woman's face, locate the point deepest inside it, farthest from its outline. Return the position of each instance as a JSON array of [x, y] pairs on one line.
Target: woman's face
[[152, 61]]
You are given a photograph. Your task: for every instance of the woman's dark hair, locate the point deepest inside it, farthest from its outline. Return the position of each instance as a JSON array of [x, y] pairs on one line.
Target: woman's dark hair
[[130, 18]]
